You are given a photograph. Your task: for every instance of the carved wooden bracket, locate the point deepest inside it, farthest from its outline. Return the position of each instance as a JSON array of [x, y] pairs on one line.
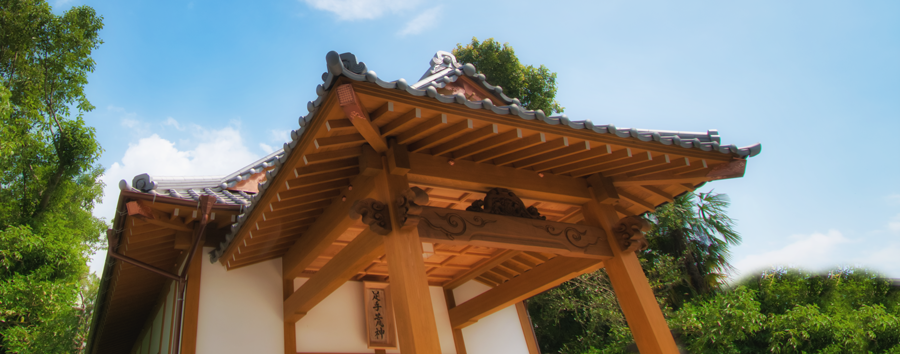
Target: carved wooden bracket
[[502, 201], [373, 213], [409, 203], [630, 233], [448, 226]]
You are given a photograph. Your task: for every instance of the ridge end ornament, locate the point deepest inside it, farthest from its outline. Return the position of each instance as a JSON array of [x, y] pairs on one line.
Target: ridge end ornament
[[502, 201], [372, 213], [629, 232]]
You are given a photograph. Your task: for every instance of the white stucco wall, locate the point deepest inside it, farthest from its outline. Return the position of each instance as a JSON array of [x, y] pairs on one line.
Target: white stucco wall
[[241, 310], [337, 323], [500, 332]]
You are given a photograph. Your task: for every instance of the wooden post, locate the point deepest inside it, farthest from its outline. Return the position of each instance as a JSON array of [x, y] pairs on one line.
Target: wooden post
[[191, 305], [458, 341], [290, 331], [411, 297], [648, 326]]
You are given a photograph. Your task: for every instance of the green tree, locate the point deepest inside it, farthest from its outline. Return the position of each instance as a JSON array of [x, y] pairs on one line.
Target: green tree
[[686, 259], [791, 311], [534, 87], [48, 174], [696, 231]]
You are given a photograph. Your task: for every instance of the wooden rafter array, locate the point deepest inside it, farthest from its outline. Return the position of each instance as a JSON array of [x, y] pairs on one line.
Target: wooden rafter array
[[321, 168]]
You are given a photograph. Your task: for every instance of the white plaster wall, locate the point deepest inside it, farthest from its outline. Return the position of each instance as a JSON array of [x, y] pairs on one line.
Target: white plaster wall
[[500, 332], [337, 324], [241, 310]]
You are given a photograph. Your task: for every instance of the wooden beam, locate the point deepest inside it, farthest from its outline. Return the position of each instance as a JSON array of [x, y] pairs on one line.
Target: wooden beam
[[358, 115], [527, 328], [459, 341], [662, 178], [640, 202], [479, 178], [458, 227], [411, 297], [290, 328], [480, 268], [352, 259], [327, 228], [636, 298], [192, 305], [533, 282]]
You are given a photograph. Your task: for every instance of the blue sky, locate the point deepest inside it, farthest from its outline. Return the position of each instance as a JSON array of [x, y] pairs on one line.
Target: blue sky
[[204, 87]]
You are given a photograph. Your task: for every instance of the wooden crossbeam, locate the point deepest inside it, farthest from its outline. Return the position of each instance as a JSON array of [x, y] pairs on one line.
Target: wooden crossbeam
[[352, 259], [356, 112], [533, 282], [473, 177], [458, 227], [327, 228]]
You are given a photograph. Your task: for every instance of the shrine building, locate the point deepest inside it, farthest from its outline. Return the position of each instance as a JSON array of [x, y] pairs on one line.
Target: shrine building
[[402, 217]]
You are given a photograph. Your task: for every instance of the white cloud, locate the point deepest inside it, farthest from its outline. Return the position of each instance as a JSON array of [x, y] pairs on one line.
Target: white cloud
[[349, 10], [894, 224], [814, 252], [217, 152], [173, 123], [267, 148], [280, 136], [893, 199], [425, 20]]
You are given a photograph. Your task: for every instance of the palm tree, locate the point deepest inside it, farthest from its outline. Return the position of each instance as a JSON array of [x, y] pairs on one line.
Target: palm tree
[[696, 232]]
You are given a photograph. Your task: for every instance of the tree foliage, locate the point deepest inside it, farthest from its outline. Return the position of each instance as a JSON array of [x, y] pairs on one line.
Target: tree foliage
[[534, 87], [48, 174]]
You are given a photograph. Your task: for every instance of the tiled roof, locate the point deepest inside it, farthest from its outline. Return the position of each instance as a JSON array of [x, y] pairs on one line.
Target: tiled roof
[[194, 187], [444, 69]]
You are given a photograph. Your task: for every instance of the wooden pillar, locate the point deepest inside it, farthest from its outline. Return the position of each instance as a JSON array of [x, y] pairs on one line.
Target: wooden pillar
[[648, 326], [458, 341], [290, 332], [527, 328], [191, 305], [411, 297]]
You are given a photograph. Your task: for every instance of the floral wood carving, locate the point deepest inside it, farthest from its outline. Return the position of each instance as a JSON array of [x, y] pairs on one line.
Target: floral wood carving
[[630, 233], [573, 235], [502, 201], [457, 225], [373, 213]]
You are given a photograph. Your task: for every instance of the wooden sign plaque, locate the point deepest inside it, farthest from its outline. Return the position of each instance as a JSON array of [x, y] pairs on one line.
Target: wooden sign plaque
[[380, 333]]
